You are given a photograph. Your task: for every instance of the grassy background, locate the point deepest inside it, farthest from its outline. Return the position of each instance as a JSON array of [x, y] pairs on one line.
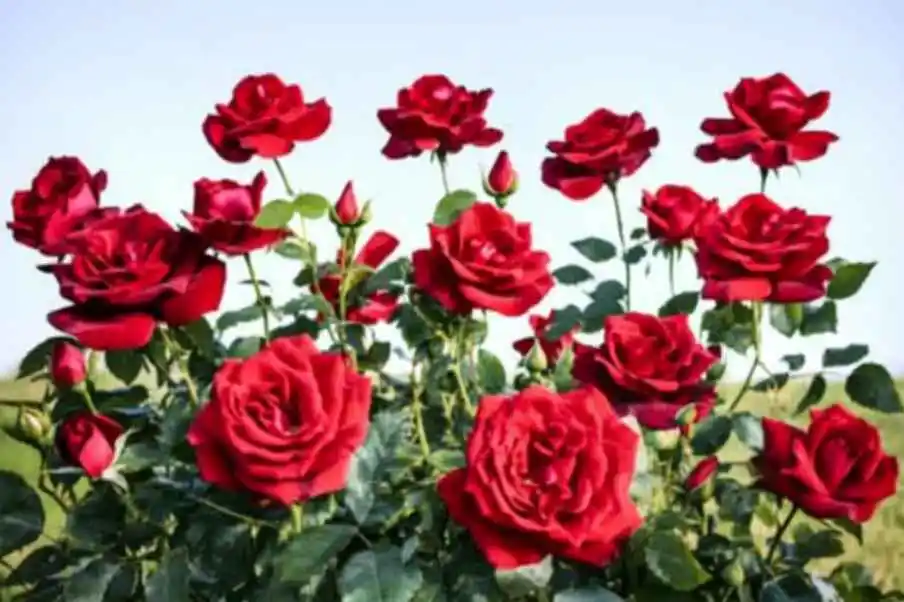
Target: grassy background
[[882, 550]]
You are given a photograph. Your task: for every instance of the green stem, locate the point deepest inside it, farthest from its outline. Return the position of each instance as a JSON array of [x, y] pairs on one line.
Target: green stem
[[291, 192], [441, 159], [671, 273], [417, 411], [458, 359], [297, 518], [86, 397], [779, 534], [182, 363], [620, 224], [764, 175], [258, 295], [757, 355]]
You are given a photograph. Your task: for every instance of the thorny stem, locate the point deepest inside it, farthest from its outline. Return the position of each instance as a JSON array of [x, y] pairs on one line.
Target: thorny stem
[[258, 295], [182, 362], [757, 355], [779, 534], [619, 222]]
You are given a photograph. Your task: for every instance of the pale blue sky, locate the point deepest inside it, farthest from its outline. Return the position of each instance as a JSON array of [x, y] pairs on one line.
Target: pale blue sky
[[125, 86]]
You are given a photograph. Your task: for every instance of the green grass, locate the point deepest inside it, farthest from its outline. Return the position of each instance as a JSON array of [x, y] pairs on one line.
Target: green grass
[[881, 552]]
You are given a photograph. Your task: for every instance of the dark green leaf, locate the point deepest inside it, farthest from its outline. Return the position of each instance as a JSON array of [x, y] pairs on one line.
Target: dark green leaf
[[125, 365], [245, 346], [229, 319], [821, 319], [201, 335], [786, 318], [490, 372], [294, 248], [711, 434], [815, 392], [872, 386], [749, 429], [772, 383], [98, 520], [306, 554], [731, 324], [638, 233], [609, 290], [169, 583], [587, 594], [393, 272], [571, 274], [795, 361], [388, 431], [669, 558], [300, 325], [563, 321], [311, 206], [595, 249], [275, 214], [379, 575], [844, 356], [526, 579], [445, 460], [21, 513], [848, 279], [595, 314], [38, 358], [635, 254], [90, 584], [682, 303], [850, 527], [307, 303], [450, 206]]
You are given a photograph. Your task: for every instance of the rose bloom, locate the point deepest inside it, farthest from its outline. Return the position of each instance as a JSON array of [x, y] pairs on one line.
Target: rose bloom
[[483, 260], [649, 367], [834, 469], [378, 306], [224, 214], [676, 214], [768, 120], [129, 271], [264, 118], [283, 424], [88, 441], [758, 251], [604, 147], [551, 349], [62, 199], [433, 114], [546, 473]]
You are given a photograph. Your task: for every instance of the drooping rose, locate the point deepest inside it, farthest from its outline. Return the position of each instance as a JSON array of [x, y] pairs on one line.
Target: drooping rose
[[834, 469], [63, 198], [282, 424], [433, 114], [546, 473], [224, 214], [128, 272], [265, 117], [88, 441], [758, 251], [649, 367], [604, 147], [67, 365], [483, 260], [551, 349], [768, 120], [675, 214]]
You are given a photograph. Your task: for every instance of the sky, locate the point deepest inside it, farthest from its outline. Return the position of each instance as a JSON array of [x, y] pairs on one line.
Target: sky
[[126, 85]]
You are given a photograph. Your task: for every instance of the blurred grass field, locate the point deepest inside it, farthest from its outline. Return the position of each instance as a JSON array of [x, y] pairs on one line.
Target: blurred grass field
[[882, 552]]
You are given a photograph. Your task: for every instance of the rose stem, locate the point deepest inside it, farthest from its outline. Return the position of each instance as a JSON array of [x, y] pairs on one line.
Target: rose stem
[[757, 308], [613, 185], [291, 193], [672, 273], [297, 518], [265, 314], [176, 353], [778, 535], [458, 358], [417, 412], [441, 159]]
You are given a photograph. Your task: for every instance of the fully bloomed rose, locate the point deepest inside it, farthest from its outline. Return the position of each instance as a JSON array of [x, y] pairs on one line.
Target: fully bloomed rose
[[483, 260], [378, 306], [128, 272], [649, 367], [546, 473], [758, 251], [835, 469], [433, 114], [63, 197], [283, 424], [604, 147], [224, 214], [551, 349], [676, 213], [768, 118], [265, 117], [88, 441]]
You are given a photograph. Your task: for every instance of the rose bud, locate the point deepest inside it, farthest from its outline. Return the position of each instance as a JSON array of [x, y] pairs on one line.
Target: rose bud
[[346, 211], [702, 473], [67, 365], [33, 426], [502, 180], [88, 441]]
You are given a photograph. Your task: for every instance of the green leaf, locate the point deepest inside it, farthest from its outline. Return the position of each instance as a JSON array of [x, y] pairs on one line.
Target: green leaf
[[90, 584], [711, 434], [786, 317], [595, 249], [587, 594], [749, 429], [682, 303], [310, 205], [125, 365], [595, 314], [201, 335], [815, 392], [446, 460], [637, 233], [730, 324], [772, 383], [526, 579], [450, 206], [275, 214], [850, 527], [571, 274], [306, 554], [563, 321], [245, 346], [609, 290], [230, 319], [848, 279], [388, 432], [844, 356], [307, 303], [38, 358], [821, 319], [170, 582], [872, 386], [490, 372], [379, 575], [795, 361], [294, 248], [21, 513], [635, 254], [393, 272], [669, 558]]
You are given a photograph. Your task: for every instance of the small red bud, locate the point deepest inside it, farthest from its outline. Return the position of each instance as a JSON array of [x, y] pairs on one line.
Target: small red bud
[[702, 473], [67, 365], [347, 212], [502, 180]]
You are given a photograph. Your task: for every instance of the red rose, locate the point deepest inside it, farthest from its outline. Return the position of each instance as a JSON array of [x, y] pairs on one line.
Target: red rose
[[768, 116], [676, 213], [62, 197], [436, 115], [502, 180], [282, 424], [224, 215], [649, 367], [546, 473], [128, 272], [67, 365], [88, 441], [346, 210], [265, 117], [605, 146], [551, 349], [378, 306], [758, 251], [834, 469], [702, 473], [483, 260]]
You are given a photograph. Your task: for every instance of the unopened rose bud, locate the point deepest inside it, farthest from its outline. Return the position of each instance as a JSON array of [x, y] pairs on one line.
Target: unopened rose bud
[[346, 211], [702, 474], [686, 416], [67, 365], [733, 573], [502, 180], [33, 425], [536, 360]]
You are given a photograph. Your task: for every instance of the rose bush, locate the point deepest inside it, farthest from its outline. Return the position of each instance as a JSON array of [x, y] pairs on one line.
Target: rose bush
[[288, 463]]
